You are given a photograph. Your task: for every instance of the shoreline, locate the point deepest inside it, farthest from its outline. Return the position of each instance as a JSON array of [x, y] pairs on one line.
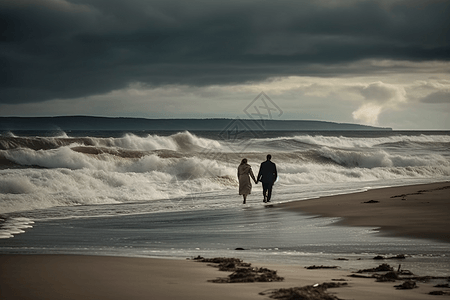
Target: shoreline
[[417, 211]]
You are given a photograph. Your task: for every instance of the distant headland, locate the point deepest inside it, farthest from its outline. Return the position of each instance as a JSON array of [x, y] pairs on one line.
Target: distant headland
[[215, 124]]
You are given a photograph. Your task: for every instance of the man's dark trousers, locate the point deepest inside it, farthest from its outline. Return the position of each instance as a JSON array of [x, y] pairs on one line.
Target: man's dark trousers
[[267, 190]]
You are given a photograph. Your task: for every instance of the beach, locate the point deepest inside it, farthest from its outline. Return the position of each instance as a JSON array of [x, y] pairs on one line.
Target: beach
[[418, 211], [96, 277]]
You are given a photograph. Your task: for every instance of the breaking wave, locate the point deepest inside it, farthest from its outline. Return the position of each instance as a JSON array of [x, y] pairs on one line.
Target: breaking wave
[[44, 172], [183, 141]]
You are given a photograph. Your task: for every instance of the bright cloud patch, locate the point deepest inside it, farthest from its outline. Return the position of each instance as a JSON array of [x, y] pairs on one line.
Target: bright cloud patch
[[378, 97]]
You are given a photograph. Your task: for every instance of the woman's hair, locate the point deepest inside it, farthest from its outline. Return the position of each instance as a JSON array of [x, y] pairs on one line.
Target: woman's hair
[[244, 161]]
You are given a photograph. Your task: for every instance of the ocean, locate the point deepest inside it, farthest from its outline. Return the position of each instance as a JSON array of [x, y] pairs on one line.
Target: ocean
[[175, 194]]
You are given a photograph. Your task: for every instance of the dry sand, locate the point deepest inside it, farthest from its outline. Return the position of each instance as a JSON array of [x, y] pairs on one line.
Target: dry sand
[[420, 211], [55, 277]]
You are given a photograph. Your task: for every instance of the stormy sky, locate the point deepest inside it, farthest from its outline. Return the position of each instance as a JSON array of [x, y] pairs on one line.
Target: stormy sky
[[378, 62]]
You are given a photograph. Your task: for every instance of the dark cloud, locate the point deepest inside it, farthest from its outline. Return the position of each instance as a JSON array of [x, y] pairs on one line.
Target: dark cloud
[[437, 97], [74, 48]]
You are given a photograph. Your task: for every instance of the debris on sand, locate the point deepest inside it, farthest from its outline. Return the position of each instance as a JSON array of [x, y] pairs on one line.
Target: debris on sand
[[399, 256], [227, 264], [389, 276], [428, 278], [439, 293], [407, 285], [330, 285], [339, 279], [360, 276], [380, 268], [250, 275], [196, 258], [406, 273], [404, 195], [372, 201], [321, 267], [421, 192], [242, 272], [309, 292], [442, 285]]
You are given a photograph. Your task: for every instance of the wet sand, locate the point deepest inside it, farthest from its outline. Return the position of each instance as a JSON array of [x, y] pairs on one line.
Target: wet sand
[[419, 211], [55, 277]]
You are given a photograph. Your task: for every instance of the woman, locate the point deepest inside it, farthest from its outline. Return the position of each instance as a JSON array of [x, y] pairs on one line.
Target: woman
[[244, 174]]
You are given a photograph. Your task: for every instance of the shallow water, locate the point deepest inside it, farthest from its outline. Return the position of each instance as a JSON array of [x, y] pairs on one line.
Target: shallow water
[[268, 234]]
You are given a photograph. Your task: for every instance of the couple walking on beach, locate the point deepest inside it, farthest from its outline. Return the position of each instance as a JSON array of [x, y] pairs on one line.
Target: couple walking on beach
[[267, 175]]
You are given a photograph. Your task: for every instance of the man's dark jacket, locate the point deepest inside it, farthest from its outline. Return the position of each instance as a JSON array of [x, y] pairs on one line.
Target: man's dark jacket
[[267, 172]]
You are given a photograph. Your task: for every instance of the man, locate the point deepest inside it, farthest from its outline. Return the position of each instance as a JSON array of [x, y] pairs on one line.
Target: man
[[267, 175]]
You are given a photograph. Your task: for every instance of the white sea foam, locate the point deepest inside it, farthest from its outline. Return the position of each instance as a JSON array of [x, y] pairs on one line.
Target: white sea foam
[[380, 158], [76, 179], [8, 134], [368, 142], [13, 226], [65, 157], [18, 184], [183, 141], [110, 180], [332, 174]]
